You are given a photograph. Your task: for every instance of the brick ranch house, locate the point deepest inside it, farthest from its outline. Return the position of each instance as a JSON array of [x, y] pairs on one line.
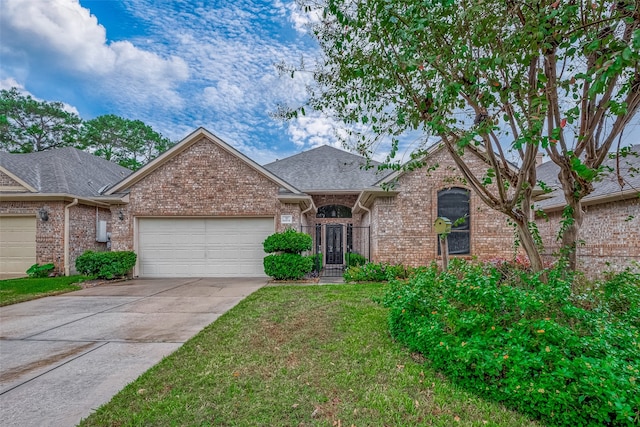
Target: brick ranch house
[[203, 209]]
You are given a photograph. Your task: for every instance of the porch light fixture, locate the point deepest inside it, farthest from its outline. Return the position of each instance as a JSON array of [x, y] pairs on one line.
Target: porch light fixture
[[120, 215], [44, 215]]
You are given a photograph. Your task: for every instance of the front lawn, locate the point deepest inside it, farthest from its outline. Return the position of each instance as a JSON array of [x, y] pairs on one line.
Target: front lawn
[[299, 356], [25, 289]]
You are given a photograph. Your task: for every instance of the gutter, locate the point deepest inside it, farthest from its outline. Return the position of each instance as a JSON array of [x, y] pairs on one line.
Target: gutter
[[367, 210], [632, 193], [67, 234]]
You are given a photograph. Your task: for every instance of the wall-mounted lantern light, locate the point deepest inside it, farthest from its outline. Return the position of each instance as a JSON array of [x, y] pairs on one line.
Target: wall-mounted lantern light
[[44, 215], [120, 215]]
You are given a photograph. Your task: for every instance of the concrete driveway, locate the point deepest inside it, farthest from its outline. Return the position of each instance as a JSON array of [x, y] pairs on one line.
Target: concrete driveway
[[62, 357]]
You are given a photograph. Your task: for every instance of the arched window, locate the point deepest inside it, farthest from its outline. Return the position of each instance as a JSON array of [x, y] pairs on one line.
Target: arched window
[[334, 211], [453, 203]]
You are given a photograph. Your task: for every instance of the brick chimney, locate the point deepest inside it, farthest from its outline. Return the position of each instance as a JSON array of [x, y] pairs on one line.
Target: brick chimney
[[539, 159]]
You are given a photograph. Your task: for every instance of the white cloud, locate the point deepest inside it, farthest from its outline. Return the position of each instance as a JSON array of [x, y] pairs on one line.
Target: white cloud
[[64, 37], [300, 19], [314, 130]]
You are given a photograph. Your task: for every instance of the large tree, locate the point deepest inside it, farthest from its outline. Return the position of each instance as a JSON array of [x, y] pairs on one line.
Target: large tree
[[28, 125], [510, 78], [130, 143]]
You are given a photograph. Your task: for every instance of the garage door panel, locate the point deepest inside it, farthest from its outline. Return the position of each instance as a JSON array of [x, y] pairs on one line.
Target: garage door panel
[[17, 244], [197, 247]]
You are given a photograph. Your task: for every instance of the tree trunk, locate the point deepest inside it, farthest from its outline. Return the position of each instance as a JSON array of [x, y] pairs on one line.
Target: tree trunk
[[571, 233], [529, 246], [572, 216]]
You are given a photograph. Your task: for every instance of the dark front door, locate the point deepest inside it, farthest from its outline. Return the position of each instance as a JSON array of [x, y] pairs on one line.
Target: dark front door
[[334, 244]]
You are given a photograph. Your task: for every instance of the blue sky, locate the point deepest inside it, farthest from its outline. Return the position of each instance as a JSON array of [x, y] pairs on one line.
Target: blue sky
[[175, 65]]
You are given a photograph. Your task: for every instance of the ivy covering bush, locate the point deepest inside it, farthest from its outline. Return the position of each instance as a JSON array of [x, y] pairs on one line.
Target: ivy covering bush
[[105, 265], [288, 263], [526, 343], [39, 271]]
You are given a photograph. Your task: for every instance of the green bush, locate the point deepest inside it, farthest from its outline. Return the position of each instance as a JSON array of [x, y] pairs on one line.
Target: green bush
[[105, 265], [38, 271], [289, 241], [529, 347], [316, 259], [354, 259], [377, 272], [287, 266]]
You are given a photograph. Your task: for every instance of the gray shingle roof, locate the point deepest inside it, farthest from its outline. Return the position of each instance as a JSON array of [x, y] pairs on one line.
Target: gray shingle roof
[[64, 170], [606, 185], [326, 168]]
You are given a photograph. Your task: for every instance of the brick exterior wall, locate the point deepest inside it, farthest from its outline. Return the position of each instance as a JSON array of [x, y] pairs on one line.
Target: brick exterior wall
[[202, 180], [611, 235], [7, 181], [402, 225], [50, 234], [82, 231]]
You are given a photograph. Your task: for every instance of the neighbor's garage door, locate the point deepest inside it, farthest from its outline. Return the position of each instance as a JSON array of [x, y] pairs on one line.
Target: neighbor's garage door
[[189, 247], [17, 244]]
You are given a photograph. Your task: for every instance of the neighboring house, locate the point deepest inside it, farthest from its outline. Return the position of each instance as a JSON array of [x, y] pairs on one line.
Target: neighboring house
[[203, 209], [48, 208], [610, 233]]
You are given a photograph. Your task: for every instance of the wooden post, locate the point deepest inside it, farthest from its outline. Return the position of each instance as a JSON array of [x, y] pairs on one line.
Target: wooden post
[[444, 248]]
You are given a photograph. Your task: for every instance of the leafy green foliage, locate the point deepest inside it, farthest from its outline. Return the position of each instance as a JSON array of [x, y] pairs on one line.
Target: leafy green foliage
[[28, 125], [354, 259], [289, 241], [378, 272], [106, 265], [37, 270], [316, 259], [287, 266], [526, 343], [130, 143]]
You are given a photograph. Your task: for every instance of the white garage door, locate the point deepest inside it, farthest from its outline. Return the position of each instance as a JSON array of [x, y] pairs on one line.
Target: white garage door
[[202, 247], [17, 244]]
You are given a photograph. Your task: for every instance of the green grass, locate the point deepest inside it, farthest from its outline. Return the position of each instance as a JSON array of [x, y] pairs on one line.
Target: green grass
[[25, 289], [299, 356]]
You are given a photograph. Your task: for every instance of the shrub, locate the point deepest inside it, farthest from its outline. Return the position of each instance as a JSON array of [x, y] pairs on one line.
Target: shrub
[[287, 266], [38, 271], [316, 260], [289, 241], [354, 259], [377, 272], [527, 346], [105, 265]]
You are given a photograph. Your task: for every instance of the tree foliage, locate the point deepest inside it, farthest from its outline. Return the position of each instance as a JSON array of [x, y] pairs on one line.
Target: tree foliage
[[554, 76], [130, 143], [28, 125]]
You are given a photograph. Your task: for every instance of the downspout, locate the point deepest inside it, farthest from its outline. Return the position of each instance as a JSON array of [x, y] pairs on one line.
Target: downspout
[[67, 234], [361, 206], [366, 210], [311, 206]]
